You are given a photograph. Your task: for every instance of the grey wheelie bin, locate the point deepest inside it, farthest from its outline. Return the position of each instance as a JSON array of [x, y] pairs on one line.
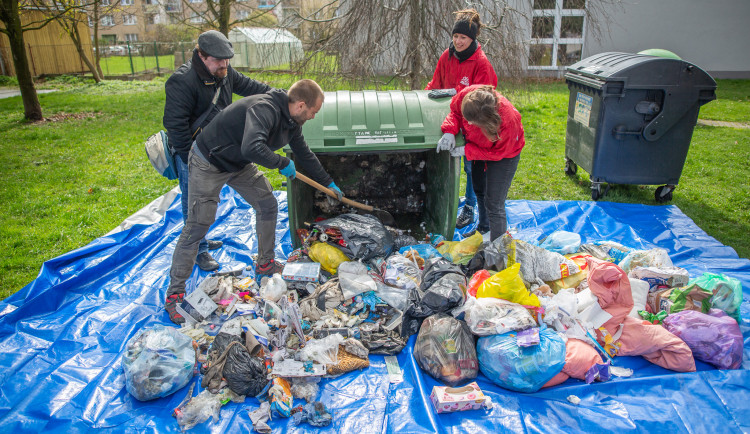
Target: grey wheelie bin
[[631, 118], [379, 147]]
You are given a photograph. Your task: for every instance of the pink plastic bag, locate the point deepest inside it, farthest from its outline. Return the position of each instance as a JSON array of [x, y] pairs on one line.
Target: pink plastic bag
[[714, 338]]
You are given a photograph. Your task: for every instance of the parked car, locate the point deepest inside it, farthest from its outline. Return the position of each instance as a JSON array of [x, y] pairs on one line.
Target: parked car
[[120, 50]]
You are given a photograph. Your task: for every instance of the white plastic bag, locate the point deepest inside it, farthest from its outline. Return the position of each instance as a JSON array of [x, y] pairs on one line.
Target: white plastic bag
[[274, 288], [324, 351], [354, 279], [656, 257], [402, 273], [492, 316], [640, 291]]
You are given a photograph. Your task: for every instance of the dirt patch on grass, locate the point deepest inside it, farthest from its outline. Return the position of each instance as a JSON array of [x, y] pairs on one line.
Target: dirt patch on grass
[[61, 117]]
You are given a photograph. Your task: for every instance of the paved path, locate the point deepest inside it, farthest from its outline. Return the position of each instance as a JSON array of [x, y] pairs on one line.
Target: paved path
[[7, 93], [741, 125]]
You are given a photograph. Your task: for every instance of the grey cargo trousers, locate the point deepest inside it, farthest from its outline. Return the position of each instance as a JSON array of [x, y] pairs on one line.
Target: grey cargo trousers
[[206, 182]]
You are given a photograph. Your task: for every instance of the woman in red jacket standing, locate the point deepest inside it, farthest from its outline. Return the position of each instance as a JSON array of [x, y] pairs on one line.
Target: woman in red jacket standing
[[464, 64], [494, 139]]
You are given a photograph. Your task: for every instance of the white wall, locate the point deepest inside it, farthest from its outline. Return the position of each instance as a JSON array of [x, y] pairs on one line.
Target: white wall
[[712, 34]]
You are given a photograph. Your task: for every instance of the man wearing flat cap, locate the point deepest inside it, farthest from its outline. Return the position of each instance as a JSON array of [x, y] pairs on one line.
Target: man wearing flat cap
[[196, 93]]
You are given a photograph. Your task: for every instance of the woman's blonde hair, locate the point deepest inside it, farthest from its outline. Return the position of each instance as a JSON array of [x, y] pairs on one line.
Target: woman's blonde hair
[[470, 15], [480, 108]]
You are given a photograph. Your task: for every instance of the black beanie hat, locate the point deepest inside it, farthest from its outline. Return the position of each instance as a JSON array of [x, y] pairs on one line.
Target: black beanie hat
[[467, 28]]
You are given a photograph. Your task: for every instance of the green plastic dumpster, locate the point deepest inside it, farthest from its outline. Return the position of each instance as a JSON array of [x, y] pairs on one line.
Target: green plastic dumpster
[[379, 147], [631, 119]]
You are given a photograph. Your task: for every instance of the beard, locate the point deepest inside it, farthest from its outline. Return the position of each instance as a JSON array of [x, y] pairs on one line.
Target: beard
[[299, 120], [220, 73]]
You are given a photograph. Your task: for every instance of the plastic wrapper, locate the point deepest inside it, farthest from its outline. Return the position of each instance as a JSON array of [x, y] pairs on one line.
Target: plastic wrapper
[[280, 397], [492, 316], [379, 340], [655, 277], [574, 280], [324, 351], [508, 285], [426, 251], [714, 338], [314, 413], [203, 406], [364, 235], [395, 297], [325, 298], [727, 292], [562, 242], [606, 250], [445, 349], [157, 362], [442, 290], [274, 289], [561, 310], [330, 257], [691, 297], [305, 388], [521, 369], [354, 279], [402, 273], [536, 262], [656, 257]]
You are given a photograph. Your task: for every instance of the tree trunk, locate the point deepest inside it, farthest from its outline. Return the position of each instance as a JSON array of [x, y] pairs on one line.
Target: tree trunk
[[97, 54], [32, 110], [75, 36], [224, 11], [415, 38]]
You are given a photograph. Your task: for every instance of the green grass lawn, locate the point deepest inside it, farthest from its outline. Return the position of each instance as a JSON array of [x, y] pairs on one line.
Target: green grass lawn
[[66, 183], [120, 65]]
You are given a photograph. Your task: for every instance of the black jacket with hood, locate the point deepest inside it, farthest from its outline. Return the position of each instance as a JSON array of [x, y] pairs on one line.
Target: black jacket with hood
[[190, 91], [251, 129]]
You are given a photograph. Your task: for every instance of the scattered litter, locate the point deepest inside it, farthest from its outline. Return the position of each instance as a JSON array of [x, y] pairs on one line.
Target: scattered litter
[[574, 399]]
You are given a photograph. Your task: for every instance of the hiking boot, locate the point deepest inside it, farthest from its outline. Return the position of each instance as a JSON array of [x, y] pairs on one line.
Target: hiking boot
[[483, 229], [466, 217], [268, 269], [170, 303], [206, 262], [214, 244]]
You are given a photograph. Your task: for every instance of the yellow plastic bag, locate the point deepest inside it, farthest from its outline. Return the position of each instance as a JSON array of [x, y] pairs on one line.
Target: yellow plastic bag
[[508, 285], [329, 257], [461, 252]]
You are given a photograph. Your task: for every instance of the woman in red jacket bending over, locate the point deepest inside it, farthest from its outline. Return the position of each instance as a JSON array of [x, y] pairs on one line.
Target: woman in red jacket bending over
[[494, 138], [464, 64]]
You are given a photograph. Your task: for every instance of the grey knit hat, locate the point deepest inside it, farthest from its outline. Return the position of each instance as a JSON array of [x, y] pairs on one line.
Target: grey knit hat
[[215, 44]]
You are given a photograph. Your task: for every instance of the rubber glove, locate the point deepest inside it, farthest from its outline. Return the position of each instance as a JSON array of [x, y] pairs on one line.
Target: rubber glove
[[337, 190], [446, 143], [289, 171], [458, 152], [441, 93]]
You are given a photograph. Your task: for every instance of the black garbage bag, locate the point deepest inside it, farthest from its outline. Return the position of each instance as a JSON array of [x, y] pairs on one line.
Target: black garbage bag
[[364, 235], [490, 256], [403, 240], [443, 288], [445, 349], [378, 340], [229, 358]]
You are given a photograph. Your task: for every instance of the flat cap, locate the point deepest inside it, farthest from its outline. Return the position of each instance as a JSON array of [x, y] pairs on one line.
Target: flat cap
[[215, 44]]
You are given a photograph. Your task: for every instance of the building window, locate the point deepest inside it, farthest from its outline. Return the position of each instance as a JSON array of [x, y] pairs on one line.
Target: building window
[[152, 19], [265, 4], [104, 2], [196, 18], [243, 15], [131, 37], [173, 5], [557, 33], [126, 2], [129, 20], [196, 1], [108, 20]]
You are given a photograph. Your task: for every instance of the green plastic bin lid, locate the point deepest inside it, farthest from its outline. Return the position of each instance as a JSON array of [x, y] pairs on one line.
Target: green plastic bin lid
[[660, 52]]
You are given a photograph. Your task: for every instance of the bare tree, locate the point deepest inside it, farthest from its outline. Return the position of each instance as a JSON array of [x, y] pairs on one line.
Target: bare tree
[[217, 14], [14, 28], [404, 38]]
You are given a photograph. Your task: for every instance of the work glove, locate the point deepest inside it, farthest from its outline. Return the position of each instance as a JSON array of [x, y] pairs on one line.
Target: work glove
[[337, 190], [441, 93], [446, 143], [289, 171], [458, 152]]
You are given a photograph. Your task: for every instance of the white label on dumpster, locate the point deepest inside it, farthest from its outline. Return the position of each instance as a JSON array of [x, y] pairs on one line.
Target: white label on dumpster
[[369, 139], [582, 111]]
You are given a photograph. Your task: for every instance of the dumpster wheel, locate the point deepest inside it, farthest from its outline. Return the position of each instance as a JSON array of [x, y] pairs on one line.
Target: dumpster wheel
[[597, 192], [664, 193], [570, 167]]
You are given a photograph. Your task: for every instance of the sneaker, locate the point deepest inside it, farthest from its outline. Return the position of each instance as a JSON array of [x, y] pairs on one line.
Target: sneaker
[[170, 303], [483, 229], [214, 244], [268, 269], [466, 217], [206, 262]]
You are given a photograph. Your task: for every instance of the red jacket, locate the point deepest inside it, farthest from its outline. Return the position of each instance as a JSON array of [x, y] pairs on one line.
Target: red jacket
[[449, 74], [478, 146]]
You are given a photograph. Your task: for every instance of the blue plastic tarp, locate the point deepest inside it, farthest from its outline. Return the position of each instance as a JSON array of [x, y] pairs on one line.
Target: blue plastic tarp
[[63, 335]]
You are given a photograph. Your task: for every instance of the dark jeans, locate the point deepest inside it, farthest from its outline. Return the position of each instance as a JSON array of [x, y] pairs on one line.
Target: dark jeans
[[206, 182], [182, 176], [492, 181], [470, 196]]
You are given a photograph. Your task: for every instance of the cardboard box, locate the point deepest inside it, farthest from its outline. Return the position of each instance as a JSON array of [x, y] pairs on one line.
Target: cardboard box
[[301, 271], [450, 399]]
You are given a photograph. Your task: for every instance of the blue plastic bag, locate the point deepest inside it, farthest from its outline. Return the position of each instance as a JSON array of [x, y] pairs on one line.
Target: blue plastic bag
[[425, 251], [158, 362], [562, 242], [523, 369]]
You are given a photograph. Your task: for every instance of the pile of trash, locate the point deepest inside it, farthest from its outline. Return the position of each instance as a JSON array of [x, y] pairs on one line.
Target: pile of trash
[[526, 315]]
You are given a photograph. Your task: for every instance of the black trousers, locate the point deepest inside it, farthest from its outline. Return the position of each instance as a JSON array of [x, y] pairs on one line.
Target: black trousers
[[492, 181]]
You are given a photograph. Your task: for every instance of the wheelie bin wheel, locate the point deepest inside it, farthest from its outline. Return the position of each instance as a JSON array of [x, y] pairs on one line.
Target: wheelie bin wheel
[[664, 193], [570, 167], [596, 192]]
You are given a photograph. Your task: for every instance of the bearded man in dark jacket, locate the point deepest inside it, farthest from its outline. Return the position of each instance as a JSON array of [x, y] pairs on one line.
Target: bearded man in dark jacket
[[242, 136], [196, 92]]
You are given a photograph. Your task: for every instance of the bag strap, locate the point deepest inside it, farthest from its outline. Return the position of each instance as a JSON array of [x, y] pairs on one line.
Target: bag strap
[[203, 117]]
